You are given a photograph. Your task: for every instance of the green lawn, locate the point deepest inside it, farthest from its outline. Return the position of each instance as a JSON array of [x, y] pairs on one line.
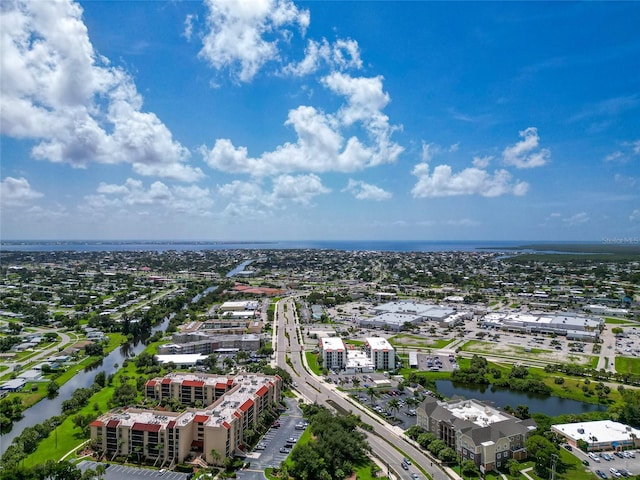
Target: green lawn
[[616, 321], [312, 361], [628, 365]]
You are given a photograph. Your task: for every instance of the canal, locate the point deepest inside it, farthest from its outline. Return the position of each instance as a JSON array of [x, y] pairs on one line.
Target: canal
[[501, 397], [50, 407]]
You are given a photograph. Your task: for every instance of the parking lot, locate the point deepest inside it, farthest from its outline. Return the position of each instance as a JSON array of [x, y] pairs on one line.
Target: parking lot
[[276, 439], [605, 461], [118, 472]]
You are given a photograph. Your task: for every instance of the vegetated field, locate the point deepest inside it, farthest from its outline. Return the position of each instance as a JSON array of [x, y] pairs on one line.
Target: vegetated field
[[617, 321], [628, 365], [506, 350], [312, 360], [406, 340]]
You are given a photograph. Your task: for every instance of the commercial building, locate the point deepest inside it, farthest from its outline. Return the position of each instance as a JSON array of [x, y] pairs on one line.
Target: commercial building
[[476, 431], [397, 315], [333, 352], [573, 326], [201, 342], [381, 353], [212, 433], [599, 435]]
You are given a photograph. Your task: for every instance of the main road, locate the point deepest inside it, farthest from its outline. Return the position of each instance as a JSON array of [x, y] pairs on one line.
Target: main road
[[388, 443]]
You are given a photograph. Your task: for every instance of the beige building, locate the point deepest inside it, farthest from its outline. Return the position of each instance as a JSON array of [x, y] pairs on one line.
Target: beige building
[[476, 431], [214, 432]]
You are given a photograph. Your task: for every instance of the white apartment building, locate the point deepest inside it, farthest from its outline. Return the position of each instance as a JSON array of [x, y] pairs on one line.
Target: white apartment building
[[333, 352], [381, 353]]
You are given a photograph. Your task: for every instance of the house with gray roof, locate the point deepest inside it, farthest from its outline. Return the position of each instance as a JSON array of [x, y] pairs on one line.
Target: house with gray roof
[[476, 431]]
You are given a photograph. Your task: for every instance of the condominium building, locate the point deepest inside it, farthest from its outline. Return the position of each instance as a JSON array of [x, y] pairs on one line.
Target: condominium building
[[381, 353], [213, 432], [333, 352], [476, 431]]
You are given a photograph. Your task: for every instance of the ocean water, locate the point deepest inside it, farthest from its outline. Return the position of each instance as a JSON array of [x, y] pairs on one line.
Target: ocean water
[[349, 245]]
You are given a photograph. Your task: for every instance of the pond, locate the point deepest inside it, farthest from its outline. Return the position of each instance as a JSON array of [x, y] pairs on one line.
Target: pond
[[501, 397]]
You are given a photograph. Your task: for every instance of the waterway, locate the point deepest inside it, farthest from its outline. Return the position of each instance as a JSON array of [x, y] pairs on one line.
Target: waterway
[[50, 407], [501, 397]]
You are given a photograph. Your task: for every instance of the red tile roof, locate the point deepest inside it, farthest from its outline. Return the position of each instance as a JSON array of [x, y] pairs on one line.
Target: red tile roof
[[200, 418], [262, 391], [151, 383], [226, 425], [193, 383], [166, 381], [113, 423], [96, 423], [246, 405], [145, 427], [171, 424], [221, 385]]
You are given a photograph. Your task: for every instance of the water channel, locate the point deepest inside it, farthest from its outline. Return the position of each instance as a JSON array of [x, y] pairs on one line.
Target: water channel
[[501, 397], [49, 407]]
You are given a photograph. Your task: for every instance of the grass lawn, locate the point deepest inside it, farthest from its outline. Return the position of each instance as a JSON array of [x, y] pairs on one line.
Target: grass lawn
[[628, 365], [616, 321], [67, 436], [312, 361]]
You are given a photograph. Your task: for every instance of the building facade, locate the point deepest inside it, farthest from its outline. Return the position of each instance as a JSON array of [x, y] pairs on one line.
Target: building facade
[[213, 432], [476, 431], [333, 352], [381, 353]]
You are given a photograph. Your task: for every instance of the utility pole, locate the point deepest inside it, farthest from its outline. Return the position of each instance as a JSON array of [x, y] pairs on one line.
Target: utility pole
[[554, 459]]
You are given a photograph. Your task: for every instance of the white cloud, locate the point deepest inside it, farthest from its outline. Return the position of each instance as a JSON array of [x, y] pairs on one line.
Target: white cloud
[[612, 157], [626, 154], [470, 181], [320, 145], [341, 55], [577, 219], [454, 148], [636, 147], [191, 199], [58, 92], [251, 200], [188, 26], [524, 154], [635, 215], [17, 192], [482, 162], [243, 34], [366, 191]]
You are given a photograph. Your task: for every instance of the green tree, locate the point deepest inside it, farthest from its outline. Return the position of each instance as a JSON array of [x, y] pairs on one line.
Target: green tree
[[541, 450], [52, 389]]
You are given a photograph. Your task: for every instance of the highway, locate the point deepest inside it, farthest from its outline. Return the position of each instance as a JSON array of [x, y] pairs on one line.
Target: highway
[[287, 346]]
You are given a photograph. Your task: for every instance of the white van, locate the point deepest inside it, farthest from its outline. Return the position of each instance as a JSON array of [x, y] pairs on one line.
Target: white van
[[594, 457]]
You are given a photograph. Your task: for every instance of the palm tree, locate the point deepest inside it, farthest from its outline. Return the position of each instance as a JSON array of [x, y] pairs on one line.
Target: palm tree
[[394, 405], [372, 393], [356, 383]]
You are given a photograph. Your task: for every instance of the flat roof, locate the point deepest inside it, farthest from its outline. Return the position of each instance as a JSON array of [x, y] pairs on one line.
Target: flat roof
[[379, 343], [478, 413], [605, 431], [181, 359], [332, 343]]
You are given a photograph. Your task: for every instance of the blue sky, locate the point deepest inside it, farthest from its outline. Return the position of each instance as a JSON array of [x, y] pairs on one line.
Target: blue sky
[[268, 120]]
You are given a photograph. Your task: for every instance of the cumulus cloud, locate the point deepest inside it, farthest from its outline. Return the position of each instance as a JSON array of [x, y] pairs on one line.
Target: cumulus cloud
[[249, 199], [525, 153], [635, 215], [626, 153], [57, 91], [321, 145], [243, 35], [133, 193], [17, 192], [340, 55], [366, 191], [482, 162], [443, 182]]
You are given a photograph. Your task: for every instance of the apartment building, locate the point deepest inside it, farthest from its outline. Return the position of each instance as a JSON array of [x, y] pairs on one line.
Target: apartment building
[[476, 431], [213, 432], [333, 352], [381, 353]]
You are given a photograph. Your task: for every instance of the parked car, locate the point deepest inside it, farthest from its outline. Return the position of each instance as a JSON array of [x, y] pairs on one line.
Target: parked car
[[601, 474], [568, 447], [285, 450]]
